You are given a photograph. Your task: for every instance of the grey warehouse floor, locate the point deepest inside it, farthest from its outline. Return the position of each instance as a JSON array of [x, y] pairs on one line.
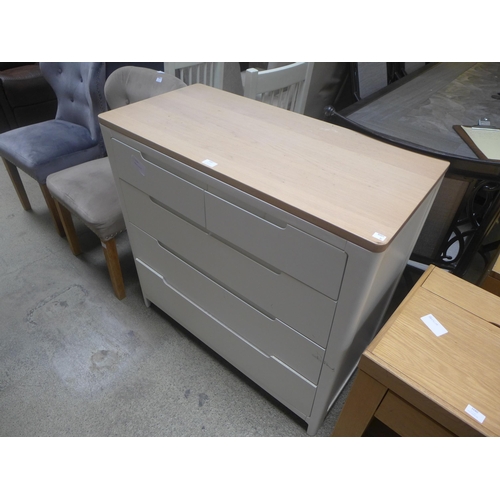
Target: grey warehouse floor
[[75, 361]]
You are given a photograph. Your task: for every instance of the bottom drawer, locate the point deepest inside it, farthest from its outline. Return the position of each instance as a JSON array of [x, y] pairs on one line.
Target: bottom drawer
[[293, 390]]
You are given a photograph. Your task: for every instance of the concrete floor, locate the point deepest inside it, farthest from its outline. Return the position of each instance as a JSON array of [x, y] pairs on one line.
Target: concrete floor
[[75, 361]]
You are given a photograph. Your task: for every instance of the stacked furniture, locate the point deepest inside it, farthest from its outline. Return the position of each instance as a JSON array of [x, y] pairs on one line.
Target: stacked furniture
[[25, 96], [275, 238], [418, 112]]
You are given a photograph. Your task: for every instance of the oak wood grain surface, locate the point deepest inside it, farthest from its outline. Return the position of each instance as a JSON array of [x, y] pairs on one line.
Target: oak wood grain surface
[[342, 181], [457, 369]]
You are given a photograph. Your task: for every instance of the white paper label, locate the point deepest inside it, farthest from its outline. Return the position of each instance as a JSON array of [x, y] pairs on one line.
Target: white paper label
[[159, 79], [477, 415], [434, 325], [209, 163], [138, 165], [379, 237]]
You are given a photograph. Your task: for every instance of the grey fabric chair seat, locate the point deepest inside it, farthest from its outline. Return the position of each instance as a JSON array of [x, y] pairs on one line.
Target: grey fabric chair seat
[[47, 147], [89, 192]]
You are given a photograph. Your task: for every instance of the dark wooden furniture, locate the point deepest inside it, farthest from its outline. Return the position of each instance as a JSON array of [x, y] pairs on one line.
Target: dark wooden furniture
[[25, 96], [418, 113]]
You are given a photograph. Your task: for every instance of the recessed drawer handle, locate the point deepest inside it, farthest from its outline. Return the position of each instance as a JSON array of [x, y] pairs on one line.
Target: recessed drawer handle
[[163, 206], [247, 210], [278, 224]]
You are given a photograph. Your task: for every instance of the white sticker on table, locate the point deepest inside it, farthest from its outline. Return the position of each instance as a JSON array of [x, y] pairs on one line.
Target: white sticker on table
[[434, 325], [379, 237], [209, 163], [475, 414]]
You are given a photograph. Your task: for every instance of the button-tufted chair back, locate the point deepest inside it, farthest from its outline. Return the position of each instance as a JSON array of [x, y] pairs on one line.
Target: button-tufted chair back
[[79, 87], [72, 138]]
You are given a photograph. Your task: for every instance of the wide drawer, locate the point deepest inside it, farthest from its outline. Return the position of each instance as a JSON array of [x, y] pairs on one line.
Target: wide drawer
[[180, 195], [284, 247], [276, 294], [267, 371], [266, 333]]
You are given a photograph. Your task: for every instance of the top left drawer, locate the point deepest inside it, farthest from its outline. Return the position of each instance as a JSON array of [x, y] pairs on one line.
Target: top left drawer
[[163, 186]]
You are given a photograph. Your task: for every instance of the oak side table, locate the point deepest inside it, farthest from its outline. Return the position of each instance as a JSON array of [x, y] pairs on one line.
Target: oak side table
[[433, 369]]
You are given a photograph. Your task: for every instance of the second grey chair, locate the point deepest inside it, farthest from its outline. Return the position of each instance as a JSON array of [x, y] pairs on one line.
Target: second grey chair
[[88, 190]]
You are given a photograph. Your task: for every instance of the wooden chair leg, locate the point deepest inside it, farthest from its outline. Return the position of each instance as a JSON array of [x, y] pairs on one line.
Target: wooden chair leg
[[52, 209], [69, 227], [18, 184], [115, 272]]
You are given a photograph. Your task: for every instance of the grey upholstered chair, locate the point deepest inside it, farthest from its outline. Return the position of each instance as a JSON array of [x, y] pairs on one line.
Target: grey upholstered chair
[[88, 190], [71, 138]]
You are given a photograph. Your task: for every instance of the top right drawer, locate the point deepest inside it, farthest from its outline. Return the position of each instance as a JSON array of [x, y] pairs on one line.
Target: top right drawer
[[282, 247]]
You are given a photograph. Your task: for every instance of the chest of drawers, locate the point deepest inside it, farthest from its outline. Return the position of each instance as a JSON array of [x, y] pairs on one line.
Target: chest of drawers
[[274, 238]]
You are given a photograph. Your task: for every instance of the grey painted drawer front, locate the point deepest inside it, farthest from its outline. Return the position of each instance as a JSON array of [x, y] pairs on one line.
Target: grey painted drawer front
[[287, 248], [276, 294], [182, 196], [288, 387], [268, 335]]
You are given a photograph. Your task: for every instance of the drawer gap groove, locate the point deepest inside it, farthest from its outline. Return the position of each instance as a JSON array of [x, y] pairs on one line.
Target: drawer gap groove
[[263, 263], [222, 285], [178, 214], [292, 370], [166, 283]]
